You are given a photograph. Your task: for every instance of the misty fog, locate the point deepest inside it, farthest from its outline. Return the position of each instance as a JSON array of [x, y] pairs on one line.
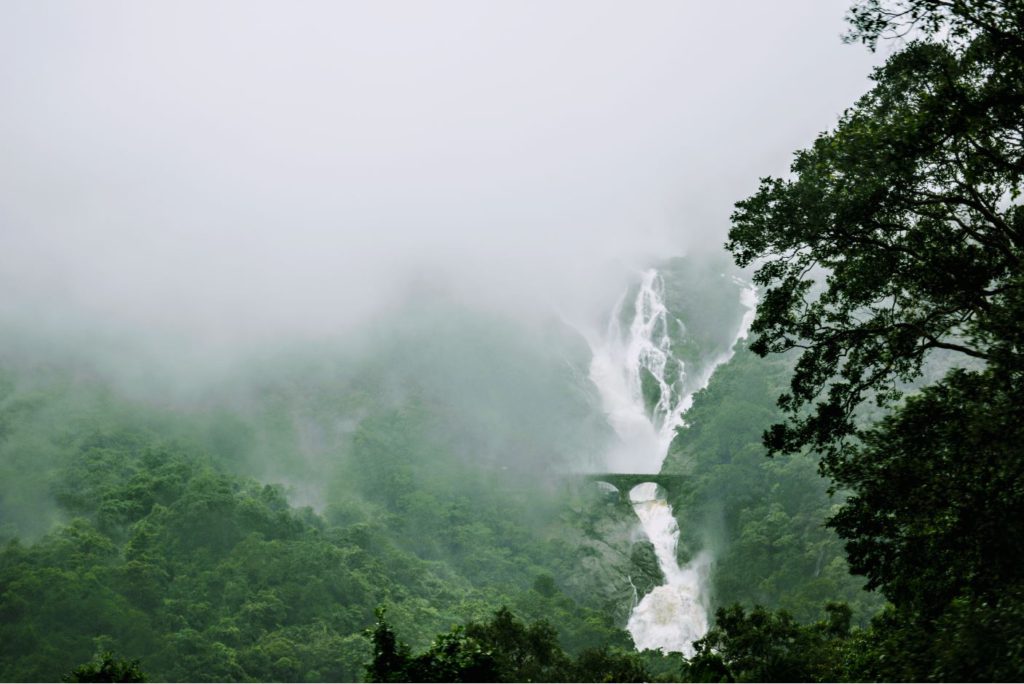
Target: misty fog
[[215, 176]]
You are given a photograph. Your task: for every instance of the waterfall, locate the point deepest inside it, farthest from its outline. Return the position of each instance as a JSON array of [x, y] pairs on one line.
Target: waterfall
[[617, 366], [673, 615]]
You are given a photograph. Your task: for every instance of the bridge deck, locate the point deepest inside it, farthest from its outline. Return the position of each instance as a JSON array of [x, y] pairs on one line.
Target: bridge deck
[[626, 481]]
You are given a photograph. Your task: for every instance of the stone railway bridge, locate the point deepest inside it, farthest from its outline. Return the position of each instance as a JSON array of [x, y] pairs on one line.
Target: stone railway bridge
[[626, 481]]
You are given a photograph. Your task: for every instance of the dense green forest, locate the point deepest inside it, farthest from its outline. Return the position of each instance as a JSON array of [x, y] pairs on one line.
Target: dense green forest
[[164, 551], [897, 236]]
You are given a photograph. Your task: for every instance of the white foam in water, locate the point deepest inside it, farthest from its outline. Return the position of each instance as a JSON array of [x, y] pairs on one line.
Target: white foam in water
[[673, 615]]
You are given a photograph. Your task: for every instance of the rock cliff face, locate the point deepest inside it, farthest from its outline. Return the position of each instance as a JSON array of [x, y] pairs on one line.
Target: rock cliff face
[[615, 560]]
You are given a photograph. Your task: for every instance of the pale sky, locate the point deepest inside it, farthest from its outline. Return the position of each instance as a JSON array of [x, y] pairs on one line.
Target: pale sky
[[247, 168]]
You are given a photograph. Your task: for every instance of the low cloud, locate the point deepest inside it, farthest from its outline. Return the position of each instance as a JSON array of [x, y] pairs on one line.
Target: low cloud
[[237, 171]]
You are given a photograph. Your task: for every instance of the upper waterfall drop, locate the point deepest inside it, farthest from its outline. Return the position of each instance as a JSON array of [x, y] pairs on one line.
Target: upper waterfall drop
[[617, 369], [641, 350]]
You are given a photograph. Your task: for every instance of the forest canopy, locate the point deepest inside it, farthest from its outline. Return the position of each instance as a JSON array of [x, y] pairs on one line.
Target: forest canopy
[[897, 236]]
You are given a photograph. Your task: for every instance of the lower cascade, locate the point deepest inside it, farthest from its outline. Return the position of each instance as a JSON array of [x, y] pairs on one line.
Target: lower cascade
[[672, 616]]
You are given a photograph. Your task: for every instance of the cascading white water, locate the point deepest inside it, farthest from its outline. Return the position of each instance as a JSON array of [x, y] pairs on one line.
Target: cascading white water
[[673, 615], [618, 361]]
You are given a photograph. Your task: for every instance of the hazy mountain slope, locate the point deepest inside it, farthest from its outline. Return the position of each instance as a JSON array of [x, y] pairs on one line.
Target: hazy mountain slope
[[764, 518]]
